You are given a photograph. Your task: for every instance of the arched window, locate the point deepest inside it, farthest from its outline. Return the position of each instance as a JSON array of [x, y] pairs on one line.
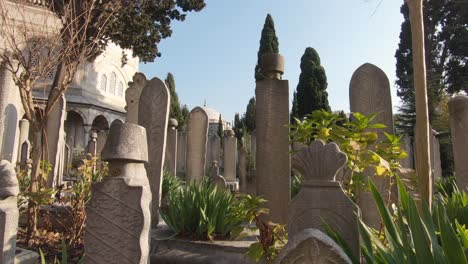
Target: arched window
[[112, 82], [103, 82], [120, 90]]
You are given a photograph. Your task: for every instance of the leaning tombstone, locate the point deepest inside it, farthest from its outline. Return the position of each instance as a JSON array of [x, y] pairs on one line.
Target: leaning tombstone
[[312, 247], [9, 214], [119, 213], [321, 199], [154, 116]]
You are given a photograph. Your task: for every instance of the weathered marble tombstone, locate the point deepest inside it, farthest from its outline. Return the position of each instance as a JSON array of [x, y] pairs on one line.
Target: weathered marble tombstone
[[92, 144], [132, 97], [321, 198], [100, 141], [369, 93], [435, 156], [197, 137], [154, 116], [170, 162], [213, 150], [407, 145], [8, 123], [458, 108], [216, 179], [55, 132], [311, 246], [23, 137], [272, 138], [230, 153], [119, 212], [181, 150], [9, 213], [242, 166]]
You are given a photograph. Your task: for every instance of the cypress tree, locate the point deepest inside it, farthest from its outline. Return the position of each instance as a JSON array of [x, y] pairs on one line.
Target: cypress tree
[[311, 91], [249, 117], [220, 128], [268, 44], [174, 109]]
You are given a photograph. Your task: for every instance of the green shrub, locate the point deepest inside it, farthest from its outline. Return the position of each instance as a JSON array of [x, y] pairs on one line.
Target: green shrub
[[296, 184], [202, 211], [412, 235]]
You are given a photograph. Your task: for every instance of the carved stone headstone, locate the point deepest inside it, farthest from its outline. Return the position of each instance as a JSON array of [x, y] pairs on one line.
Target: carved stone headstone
[[311, 246], [197, 136], [369, 93], [154, 116], [170, 162], [242, 157], [55, 132], [230, 153], [407, 145], [100, 141], [458, 108], [217, 179], [213, 150], [435, 156], [181, 150], [8, 211], [272, 138], [321, 197], [23, 137], [132, 97], [119, 214]]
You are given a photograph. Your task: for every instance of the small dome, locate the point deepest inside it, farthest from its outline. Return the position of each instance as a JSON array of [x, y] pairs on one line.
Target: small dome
[[213, 115]]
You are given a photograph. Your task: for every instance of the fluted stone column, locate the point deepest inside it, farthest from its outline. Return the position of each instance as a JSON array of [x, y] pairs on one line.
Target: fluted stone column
[[272, 138], [458, 108], [119, 213], [171, 147]]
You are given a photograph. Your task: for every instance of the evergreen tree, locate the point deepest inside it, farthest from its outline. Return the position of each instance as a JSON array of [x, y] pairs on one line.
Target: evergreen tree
[[311, 91], [268, 44], [294, 109], [220, 129], [238, 128], [174, 109], [249, 117], [185, 116]]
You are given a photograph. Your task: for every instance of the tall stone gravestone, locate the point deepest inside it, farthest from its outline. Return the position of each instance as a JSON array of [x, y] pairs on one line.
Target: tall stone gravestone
[[55, 132], [197, 136], [119, 213], [369, 93], [230, 153], [153, 115], [458, 108], [272, 138], [132, 97], [181, 150], [242, 168], [9, 214], [171, 147], [213, 150], [23, 137], [311, 246], [435, 156], [321, 198]]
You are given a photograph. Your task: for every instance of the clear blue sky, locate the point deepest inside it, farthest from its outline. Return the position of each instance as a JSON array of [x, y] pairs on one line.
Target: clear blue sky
[[213, 53]]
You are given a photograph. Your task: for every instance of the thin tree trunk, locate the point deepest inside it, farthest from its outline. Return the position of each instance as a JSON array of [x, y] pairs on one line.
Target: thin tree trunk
[[423, 163], [34, 186]]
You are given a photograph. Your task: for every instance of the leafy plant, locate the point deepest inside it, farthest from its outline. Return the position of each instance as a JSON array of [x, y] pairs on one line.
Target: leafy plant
[[296, 184], [64, 257], [203, 211], [411, 235], [358, 138], [272, 236]]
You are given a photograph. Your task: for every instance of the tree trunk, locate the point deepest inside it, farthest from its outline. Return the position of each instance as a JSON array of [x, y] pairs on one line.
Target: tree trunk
[[423, 162], [34, 186]]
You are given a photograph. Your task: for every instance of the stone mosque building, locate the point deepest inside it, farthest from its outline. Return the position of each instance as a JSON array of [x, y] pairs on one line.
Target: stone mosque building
[[94, 100]]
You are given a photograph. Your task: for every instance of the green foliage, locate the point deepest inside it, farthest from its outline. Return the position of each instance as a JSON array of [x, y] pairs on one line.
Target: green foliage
[[43, 195], [64, 257], [249, 116], [170, 185], [311, 91], [268, 44], [296, 184], [273, 236], [175, 110], [239, 128], [411, 235], [221, 130], [202, 211], [358, 138]]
